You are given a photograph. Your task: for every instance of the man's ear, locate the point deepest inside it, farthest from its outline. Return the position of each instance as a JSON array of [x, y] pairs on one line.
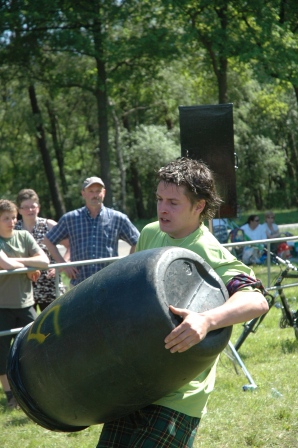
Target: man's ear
[[200, 205]]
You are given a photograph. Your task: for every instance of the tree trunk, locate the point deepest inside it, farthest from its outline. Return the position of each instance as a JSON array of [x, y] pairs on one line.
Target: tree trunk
[[222, 69], [258, 199], [135, 181], [120, 163], [292, 165], [219, 60], [137, 191], [42, 146], [58, 153], [296, 92], [102, 112], [222, 81]]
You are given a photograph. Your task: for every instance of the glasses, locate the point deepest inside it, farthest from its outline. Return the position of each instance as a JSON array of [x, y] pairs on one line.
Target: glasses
[[27, 208], [256, 220], [270, 217]]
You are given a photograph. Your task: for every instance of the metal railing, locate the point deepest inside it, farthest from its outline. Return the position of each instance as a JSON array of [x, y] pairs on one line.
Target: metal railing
[[268, 245], [57, 266]]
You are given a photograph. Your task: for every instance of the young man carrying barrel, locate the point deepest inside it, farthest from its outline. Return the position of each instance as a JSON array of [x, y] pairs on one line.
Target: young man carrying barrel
[[186, 196]]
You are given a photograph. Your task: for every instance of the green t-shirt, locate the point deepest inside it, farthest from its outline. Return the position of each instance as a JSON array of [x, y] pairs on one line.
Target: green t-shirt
[[16, 289], [191, 399]]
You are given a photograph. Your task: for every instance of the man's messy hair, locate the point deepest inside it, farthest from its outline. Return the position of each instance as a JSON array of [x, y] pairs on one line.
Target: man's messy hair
[[198, 180]]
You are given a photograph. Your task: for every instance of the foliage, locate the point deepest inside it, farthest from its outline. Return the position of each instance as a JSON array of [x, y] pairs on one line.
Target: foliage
[[148, 148], [261, 145], [107, 68]]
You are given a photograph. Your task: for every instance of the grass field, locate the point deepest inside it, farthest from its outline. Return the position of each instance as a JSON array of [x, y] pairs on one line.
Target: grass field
[[235, 419], [259, 418]]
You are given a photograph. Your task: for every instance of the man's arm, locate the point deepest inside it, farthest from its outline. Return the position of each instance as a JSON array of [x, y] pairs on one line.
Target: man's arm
[[129, 233], [7, 263], [65, 242], [70, 271], [38, 260], [133, 249], [241, 307]]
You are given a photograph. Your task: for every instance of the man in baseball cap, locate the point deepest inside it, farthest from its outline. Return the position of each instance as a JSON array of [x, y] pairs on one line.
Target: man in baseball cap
[[92, 180], [93, 232]]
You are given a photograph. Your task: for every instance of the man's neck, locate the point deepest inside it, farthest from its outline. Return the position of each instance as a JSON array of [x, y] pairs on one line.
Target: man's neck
[[94, 211], [6, 235]]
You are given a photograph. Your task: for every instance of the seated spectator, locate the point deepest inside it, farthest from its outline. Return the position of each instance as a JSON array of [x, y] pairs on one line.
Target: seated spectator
[[272, 231], [253, 229], [270, 228]]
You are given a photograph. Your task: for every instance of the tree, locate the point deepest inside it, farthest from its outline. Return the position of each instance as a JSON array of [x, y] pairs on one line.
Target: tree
[[106, 75], [35, 28], [146, 149], [42, 145]]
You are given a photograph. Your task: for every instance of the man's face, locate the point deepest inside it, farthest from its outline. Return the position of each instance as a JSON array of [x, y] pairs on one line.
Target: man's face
[[254, 223], [176, 215], [94, 195], [7, 223]]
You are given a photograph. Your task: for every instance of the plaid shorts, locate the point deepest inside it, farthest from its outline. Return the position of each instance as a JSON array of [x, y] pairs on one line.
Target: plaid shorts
[[151, 427]]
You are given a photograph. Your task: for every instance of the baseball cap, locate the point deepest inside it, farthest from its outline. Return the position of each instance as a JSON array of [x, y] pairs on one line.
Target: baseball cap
[[92, 180]]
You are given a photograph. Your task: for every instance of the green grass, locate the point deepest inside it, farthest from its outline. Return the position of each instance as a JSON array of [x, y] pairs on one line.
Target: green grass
[[256, 419], [18, 430], [235, 419]]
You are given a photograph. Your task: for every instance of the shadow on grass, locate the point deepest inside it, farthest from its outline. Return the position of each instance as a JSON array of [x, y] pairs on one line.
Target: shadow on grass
[[289, 346], [16, 420], [18, 417]]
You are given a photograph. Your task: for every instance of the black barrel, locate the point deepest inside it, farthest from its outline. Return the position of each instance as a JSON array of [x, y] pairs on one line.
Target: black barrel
[[97, 353]]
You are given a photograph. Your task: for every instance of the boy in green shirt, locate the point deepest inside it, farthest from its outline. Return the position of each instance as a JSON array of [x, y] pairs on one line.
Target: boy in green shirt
[[18, 249]]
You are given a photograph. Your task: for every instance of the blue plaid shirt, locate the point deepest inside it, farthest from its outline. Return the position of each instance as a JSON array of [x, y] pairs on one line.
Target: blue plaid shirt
[[92, 238]]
